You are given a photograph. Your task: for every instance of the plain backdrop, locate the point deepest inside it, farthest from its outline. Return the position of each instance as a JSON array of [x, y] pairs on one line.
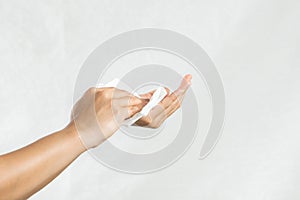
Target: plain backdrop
[[255, 46]]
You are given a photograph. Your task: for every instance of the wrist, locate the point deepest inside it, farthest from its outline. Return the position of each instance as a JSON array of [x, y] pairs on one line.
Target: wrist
[[73, 135]]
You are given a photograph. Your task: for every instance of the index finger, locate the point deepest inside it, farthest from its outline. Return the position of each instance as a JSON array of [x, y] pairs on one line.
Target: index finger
[[131, 100]]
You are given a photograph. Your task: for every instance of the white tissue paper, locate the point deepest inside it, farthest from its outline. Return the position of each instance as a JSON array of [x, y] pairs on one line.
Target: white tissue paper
[[158, 95]]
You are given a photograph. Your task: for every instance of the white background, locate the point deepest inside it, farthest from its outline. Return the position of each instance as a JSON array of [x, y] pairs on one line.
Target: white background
[[254, 45]]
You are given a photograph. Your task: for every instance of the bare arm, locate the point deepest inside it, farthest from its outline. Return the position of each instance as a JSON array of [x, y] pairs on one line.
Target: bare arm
[[95, 117], [27, 170]]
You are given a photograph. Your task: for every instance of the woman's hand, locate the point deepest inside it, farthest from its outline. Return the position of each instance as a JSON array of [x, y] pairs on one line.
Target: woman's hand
[[166, 107], [101, 111], [95, 117]]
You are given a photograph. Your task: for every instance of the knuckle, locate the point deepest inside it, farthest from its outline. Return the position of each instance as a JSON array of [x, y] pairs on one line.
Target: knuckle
[[105, 94], [91, 90]]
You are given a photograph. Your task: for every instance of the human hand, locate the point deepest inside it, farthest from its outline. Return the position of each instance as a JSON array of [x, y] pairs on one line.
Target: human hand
[[100, 113], [166, 107]]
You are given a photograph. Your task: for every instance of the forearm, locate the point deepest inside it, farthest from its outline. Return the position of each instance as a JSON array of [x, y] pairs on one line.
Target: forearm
[[27, 170]]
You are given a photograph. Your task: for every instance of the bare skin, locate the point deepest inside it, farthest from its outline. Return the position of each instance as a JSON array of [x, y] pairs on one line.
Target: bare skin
[[27, 170], [166, 107]]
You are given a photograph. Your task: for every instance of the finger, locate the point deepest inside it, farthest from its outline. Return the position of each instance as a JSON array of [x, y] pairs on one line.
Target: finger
[[156, 111], [176, 97], [111, 92], [150, 93], [132, 110], [164, 104], [184, 85], [172, 108], [147, 95], [130, 101], [144, 121], [169, 105], [168, 100]]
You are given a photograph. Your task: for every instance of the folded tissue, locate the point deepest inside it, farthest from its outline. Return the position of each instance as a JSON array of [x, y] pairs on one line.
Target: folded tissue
[[157, 96]]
